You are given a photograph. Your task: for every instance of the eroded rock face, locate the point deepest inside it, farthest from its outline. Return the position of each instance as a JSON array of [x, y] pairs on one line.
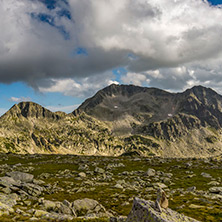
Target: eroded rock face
[[145, 211]]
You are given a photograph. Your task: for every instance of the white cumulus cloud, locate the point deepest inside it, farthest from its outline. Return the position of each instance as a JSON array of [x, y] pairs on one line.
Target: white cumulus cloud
[[172, 44], [20, 99]]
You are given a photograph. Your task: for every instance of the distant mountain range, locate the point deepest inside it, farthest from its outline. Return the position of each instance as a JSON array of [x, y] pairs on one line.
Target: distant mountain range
[[121, 120]]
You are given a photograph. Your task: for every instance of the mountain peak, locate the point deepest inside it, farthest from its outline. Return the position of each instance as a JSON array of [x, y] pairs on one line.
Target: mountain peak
[[115, 101], [200, 88], [31, 110]]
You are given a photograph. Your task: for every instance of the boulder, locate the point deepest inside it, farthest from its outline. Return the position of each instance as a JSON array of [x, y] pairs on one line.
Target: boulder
[[145, 211], [5, 209], [89, 208], [82, 174], [58, 207], [99, 170], [206, 175], [150, 172], [40, 213], [32, 189], [9, 200], [20, 176], [213, 183], [8, 182], [217, 190]]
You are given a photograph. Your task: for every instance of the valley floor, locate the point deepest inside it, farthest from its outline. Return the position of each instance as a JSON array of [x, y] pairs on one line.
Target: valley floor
[[56, 186]]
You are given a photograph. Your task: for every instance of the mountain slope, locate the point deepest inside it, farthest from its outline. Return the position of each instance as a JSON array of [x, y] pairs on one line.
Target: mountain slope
[[198, 106], [30, 128], [121, 119], [188, 123]]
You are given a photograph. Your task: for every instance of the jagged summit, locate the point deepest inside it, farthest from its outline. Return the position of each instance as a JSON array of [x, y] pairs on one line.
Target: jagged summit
[[115, 101], [30, 109]]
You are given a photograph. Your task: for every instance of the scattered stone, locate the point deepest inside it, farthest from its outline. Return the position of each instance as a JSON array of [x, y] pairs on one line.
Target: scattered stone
[[82, 174], [194, 206], [206, 175], [213, 183], [5, 209], [150, 172], [40, 213], [118, 186], [32, 189], [9, 200], [217, 190], [99, 170], [159, 185], [191, 189], [8, 182], [89, 208]]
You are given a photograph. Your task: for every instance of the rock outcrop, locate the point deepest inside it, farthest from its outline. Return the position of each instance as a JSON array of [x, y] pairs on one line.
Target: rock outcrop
[[146, 211]]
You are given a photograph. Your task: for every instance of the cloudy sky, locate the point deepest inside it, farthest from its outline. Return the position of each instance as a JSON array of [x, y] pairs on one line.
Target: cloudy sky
[[59, 52]]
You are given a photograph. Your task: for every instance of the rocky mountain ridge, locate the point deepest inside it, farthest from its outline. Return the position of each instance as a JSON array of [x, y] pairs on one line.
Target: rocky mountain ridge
[[120, 119]]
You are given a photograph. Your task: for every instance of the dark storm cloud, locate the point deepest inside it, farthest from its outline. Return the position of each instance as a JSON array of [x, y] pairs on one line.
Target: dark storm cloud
[[43, 42]]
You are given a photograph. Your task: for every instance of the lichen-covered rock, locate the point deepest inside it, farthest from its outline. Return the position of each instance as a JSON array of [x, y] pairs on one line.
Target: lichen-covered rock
[[145, 211], [8, 182], [5, 209], [89, 208], [58, 207], [9, 200], [32, 189], [217, 190], [23, 177]]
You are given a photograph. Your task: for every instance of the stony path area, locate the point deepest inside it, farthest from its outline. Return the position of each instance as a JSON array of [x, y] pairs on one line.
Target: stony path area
[[79, 188]]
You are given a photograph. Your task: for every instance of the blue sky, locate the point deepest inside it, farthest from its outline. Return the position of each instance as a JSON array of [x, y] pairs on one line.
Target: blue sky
[[59, 52], [215, 2]]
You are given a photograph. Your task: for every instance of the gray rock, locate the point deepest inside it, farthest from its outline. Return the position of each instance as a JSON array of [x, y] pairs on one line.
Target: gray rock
[[9, 200], [99, 170], [23, 177], [5, 209], [206, 175], [145, 211], [150, 172], [159, 185], [191, 189], [8, 182], [32, 189], [83, 167], [213, 183], [217, 190], [58, 207], [82, 174], [87, 206], [118, 186]]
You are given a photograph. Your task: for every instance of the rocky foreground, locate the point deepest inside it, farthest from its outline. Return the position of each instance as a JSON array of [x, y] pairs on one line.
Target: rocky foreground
[[81, 188]]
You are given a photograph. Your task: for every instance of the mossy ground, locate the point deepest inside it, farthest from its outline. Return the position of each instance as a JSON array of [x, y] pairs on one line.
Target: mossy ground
[[63, 170]]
